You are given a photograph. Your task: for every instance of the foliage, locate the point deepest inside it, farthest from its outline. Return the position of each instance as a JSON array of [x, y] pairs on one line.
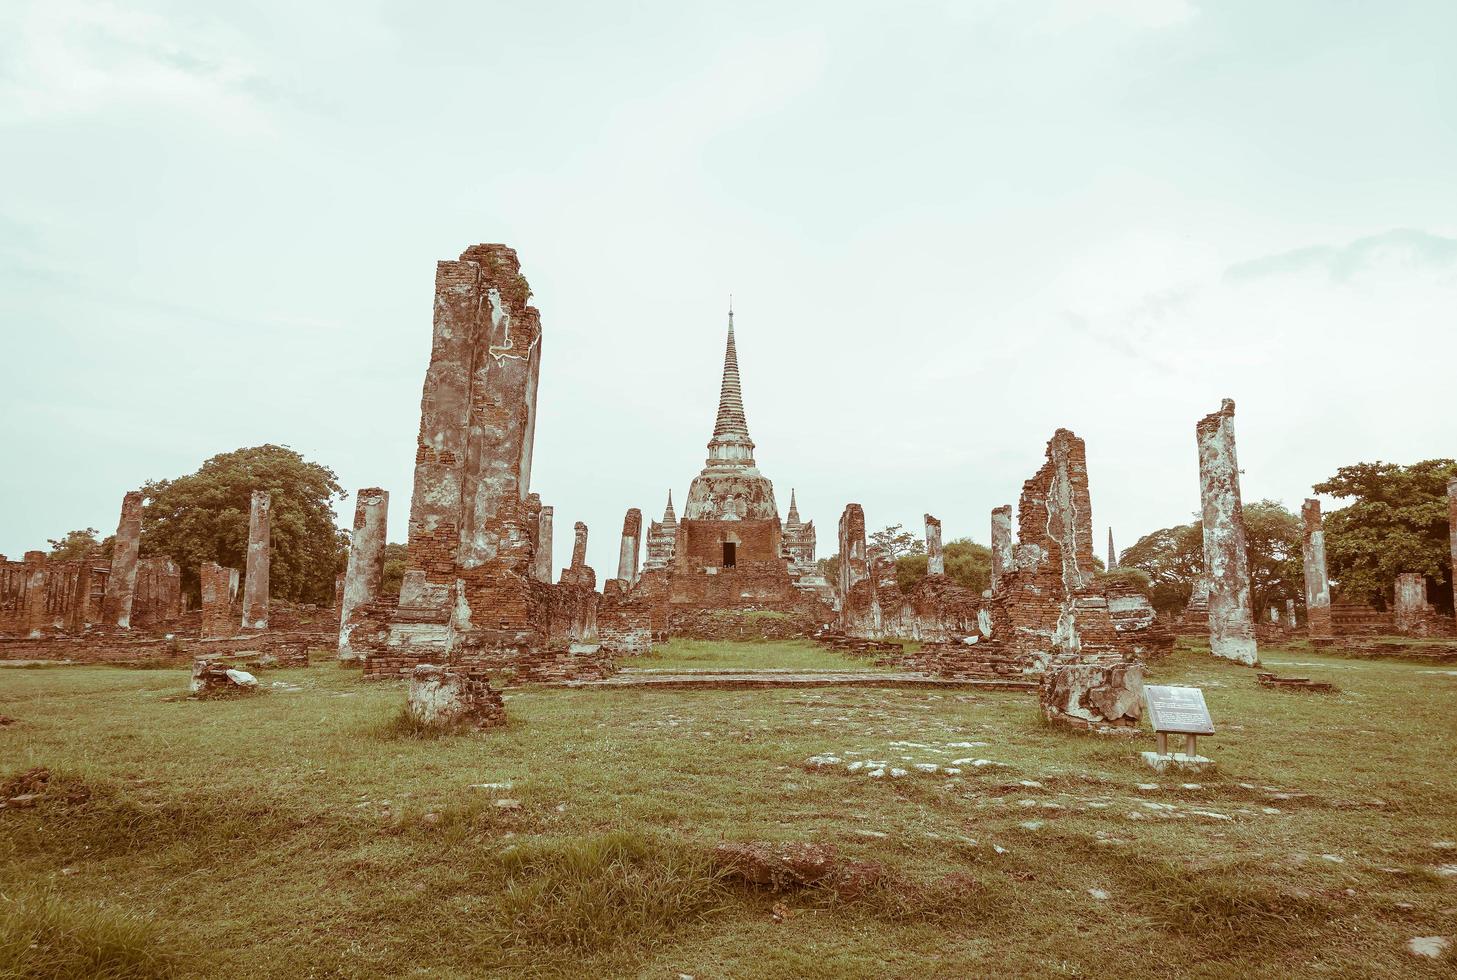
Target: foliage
[[830, 569], [1173, 558], [1277, 570], [1396, 522], [967, 563], [1135, 577], [394, 569], [895, 541], [45, 935], [203, 517], [75, 544]]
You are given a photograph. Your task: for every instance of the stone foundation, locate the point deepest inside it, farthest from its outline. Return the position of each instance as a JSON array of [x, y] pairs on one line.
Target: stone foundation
[[443, 698], [1103, 698]]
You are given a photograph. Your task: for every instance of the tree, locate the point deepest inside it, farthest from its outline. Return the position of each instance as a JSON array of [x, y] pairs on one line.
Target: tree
[[895, 541], [1172, 558], [394, 569], [830, 569], [1396, 522], [203, 517], [967, 563], [75, 544], [1277, 569]]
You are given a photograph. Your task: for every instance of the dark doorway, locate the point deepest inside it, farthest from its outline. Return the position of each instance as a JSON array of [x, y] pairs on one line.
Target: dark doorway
[[729, 549]]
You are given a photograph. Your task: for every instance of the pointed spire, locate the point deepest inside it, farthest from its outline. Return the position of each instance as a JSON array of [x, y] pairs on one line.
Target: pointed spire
[[668, 516], [730, 419], [1112, 555], [793, 516]]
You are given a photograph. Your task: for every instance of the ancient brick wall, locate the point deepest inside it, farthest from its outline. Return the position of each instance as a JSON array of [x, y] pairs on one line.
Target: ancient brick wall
[[217, 605], [158, 595], [39, 596], [624, 619]]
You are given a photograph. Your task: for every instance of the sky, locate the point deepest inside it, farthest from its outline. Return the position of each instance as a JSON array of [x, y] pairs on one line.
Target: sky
[[949, 229]]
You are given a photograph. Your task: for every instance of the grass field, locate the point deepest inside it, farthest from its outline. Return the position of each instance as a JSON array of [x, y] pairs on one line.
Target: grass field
[[294, 833]]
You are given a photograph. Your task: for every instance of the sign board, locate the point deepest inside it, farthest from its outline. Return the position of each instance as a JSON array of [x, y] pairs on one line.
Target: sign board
[[1177, 709]]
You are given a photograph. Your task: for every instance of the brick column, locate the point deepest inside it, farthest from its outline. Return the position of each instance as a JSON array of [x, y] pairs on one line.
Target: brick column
[[35, 593], [1317, 585], [1411, 603], [852, 551], [121, 585], [1226, 557], [255, 585], [1452, 530], [1290, 614], [1002, 560], [935, 561], [627, 555], [217, 606], [365, 568], [579, 545], [543, 544]]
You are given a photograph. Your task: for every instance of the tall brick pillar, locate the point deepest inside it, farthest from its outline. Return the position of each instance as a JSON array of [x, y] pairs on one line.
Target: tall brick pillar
[[366, 563], [1002, 560], [1317, 585], [121, 585], [935, 560], [579, 545], [217, 602], [1226, 558], [543, 544], [35, 593], [627, 555], [1452, 530], [255, 585], [1411, 609], [853, 566]]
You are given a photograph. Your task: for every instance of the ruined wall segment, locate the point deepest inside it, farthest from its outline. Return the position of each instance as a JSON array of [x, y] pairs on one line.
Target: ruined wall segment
[[544, 543], [365, 567], [853, 566], [627, 555], [935, 561], [1002, 557], [1317, 585], [217, 601], [255, 584], [1226, 558], [122, 582]]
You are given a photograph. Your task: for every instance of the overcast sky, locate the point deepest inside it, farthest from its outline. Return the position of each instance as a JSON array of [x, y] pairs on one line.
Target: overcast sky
[[949, 229]]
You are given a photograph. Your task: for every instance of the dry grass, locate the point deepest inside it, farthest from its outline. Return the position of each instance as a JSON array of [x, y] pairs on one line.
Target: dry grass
[[282, 835]]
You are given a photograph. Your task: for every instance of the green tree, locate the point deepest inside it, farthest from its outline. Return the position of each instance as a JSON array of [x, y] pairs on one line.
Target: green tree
[[830, 569], [75, 544], [203, 517], [1172, 558], [967, 563], [394, 569], [895, 541], [1277, 570], [1396, 522]]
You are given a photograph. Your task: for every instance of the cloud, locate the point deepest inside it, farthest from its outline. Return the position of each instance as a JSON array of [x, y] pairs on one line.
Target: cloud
[[1391, 250], [70, 58]]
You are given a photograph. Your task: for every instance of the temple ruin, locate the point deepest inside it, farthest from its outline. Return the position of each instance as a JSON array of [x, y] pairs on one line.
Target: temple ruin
[[1226, 557], [1317, 584]]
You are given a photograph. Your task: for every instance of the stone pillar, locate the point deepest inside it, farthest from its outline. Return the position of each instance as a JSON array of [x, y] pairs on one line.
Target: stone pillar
[[1226, 558], [1411, 609], [1317, 586], [543, 544], [579, 545], [121, 585], [1002, 560], [935, 561], [627, 555], [1452, 530], [366, 563], [35, 593], [852, 550], [217, 606], [1274, 615], [255, 585], [1290, 614]]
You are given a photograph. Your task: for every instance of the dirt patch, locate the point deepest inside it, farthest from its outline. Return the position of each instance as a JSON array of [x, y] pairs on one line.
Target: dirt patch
[[795, 866]]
